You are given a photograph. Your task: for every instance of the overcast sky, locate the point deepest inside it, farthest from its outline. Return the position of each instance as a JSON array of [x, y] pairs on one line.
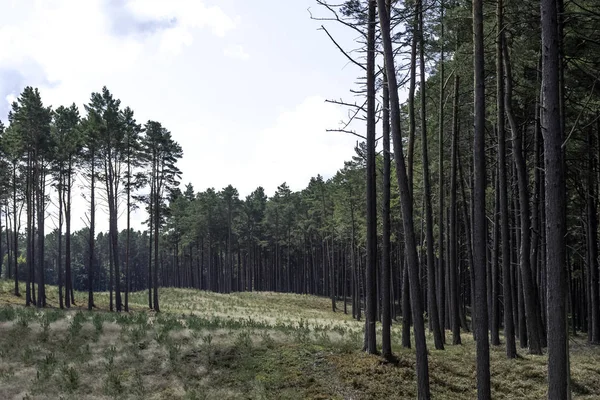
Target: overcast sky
[[241, 84]]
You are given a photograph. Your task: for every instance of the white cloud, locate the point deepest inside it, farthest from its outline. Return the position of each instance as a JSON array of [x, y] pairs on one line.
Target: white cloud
[[10, 98], [67, 39], [236, 52], [299, 147], [293, 148], [187, 15]]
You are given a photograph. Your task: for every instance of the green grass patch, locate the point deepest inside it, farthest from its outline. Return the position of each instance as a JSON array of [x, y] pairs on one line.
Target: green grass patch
[[239, 346]]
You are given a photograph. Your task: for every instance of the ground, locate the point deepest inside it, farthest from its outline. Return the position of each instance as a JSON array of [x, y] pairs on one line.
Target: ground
[[240, 346]]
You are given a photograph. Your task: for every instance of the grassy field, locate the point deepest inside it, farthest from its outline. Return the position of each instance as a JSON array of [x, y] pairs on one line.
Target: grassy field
[[239, 346]]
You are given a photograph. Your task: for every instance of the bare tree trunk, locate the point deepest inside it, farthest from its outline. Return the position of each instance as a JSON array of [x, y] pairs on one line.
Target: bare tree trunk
[[558, 352], [92, 238], [431, 291], [441, 285], [509, 327], [479, 220], [423, 389], [60, 224], [592, 229], [452, 261], [531, 300], [386, 317], [495, 275], [16, 225], [371, 277]]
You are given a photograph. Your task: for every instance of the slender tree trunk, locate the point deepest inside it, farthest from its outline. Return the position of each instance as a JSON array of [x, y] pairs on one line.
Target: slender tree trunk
[[9, 269], [156, 231], [479, 220], [592, 229], [509, 327], [110, 272], [441, 273], [92, 238], [423, 389], [386, 317], [41, 182], [406, 303], [60, 225], [128, 238], [469, 250], [558, 352], [531, 306], [431, 292], [15, 232], [371, 277], [150, 243], [495, 274], [452, 261], [67, 204]]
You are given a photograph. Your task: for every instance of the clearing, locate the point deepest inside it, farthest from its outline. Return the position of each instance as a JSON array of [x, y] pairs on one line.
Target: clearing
[[240, 346]]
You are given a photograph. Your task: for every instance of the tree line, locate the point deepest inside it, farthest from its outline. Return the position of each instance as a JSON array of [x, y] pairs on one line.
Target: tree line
[[117, 162]]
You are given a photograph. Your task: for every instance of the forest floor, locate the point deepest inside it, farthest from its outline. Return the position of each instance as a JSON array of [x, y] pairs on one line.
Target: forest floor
[[240, 346]]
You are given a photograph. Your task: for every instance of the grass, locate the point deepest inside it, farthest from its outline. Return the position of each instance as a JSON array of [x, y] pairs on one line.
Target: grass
[[239, 346]]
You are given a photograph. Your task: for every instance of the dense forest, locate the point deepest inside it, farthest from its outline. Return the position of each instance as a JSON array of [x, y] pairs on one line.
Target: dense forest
[[470, 208]]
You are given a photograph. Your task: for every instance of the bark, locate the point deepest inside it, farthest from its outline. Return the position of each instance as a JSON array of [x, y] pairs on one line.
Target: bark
[[479, 220], [509, 327], [529, 292], [440, 273], [41, 183], [431, 292], [128, 238], [370, 282], [592, 243], [558, 361], [67, 204], [60, 225], [92, 238], [422, 367], [150, 244], [406, 311], [495, 275], [452, 261], [16, 223], [156, 231], [386, 317]]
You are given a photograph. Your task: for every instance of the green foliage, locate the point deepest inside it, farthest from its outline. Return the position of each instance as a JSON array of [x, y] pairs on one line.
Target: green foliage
[[69, 378]]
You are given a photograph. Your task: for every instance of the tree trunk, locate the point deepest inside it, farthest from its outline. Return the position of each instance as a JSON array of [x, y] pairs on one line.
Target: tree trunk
[[431, 291], [529, 293], [371, 277], [41, 182], [452, 226], [479, 220], [386, 316], [15, 232], [60, 225], [441, 286], [423, 389], [509, 327], [592, 229], [558, 352], [92, 238], [495, 274]]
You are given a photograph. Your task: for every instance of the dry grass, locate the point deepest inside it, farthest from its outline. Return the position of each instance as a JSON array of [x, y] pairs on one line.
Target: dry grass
[[240, 346]]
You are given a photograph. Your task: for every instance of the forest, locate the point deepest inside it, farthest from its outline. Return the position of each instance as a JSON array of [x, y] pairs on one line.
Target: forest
[[463, 230]]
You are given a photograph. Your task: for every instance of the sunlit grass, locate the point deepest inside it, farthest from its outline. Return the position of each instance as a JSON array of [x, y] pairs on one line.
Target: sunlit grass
[[243, 345]]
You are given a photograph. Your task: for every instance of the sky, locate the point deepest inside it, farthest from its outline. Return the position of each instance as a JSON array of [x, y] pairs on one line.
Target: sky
[[240, 84]]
